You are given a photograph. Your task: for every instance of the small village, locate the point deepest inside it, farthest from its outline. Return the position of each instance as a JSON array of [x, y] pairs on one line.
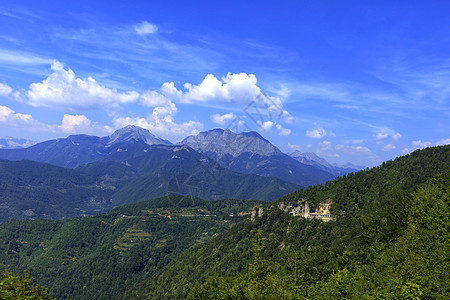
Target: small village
[[301, 209]]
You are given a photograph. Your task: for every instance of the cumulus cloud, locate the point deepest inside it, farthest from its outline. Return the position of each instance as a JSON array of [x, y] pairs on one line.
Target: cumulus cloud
[[64, 90], [81, 124], [316, 133], [11, 118], [232, 88], [5, 90], [145, 28], [73, 123], [161, 122], [69, 124], [222, 119], [283, 131], [153, 98], [164, 127]]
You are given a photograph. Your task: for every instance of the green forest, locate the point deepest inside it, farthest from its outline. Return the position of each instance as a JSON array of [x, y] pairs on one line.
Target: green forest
[[390, 240], [103, 256]]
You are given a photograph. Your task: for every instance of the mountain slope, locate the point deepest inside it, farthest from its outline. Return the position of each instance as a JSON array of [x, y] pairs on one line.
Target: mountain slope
[[250, 153], [100, 257], [282, 256], [160, 169], [220, 144], [77, 150], [37, 190]]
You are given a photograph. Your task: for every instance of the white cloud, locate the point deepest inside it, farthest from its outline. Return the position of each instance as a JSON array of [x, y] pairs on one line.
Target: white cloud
[[396, 136], [152, 98], [389, 147], [265, 126], [81, 124], [69, 124], [161, 122], [5, 89], [232, 88], [62, 89], [222, 119], [170, 91], [164, 127], [385, 133], [72, 123], [420, 144], [381, 135], [145, 27], [21, 59], [316, 133], [283, 131], [11, 118]]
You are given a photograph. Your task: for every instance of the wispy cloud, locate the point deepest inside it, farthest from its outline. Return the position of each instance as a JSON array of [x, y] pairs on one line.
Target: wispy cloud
[[8, 57]]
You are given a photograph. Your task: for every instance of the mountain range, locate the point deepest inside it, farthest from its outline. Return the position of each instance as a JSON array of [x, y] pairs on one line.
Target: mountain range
[[250, 153], [96, 174]]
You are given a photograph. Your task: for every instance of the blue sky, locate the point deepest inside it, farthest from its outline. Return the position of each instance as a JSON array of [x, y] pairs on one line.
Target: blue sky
[[353, 81]]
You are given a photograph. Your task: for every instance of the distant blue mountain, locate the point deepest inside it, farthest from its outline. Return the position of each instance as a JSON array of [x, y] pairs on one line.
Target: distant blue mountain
[[310, 158], [76, 150]]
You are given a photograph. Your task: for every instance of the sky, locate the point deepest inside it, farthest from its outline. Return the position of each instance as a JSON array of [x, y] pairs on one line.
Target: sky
[[353, 81]]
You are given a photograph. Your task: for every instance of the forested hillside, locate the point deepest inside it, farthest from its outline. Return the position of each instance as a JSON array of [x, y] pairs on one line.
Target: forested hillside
[[101, 257], [37, 190], [390, 240]]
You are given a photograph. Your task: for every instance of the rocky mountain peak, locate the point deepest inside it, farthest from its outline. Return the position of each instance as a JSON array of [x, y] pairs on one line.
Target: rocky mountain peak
[[223, 142], [131, 132]]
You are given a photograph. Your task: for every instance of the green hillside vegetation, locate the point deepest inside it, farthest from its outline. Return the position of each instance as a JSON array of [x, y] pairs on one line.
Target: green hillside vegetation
[[38, 190], [102, 256], [390, 241]]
